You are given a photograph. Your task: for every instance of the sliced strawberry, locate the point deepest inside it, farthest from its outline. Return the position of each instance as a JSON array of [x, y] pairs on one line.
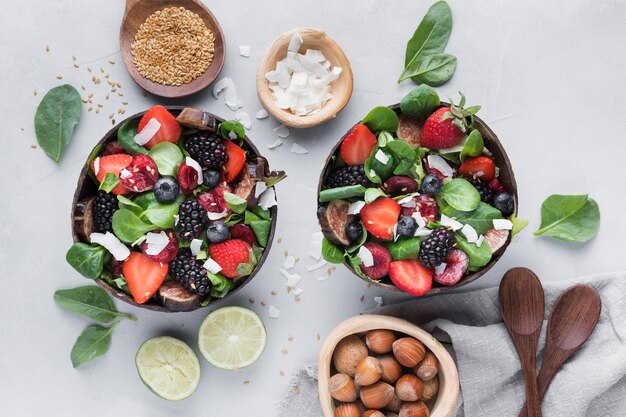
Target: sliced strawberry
[[111, 164], [479, 167], [140, 175], [382, 259], [457, 263], [357, 146], [143, 276], [112, 148], [243, 232], [168, 132], [496, 185], [424, 204], [229, 254], [213, 201], [411, 276], [187, 178], [380, 216], [168, 253], [439, 133], [235, 161], [496, 239]]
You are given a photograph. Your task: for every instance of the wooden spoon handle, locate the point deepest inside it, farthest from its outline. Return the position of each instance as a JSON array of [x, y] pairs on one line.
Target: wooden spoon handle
[[533, 402]]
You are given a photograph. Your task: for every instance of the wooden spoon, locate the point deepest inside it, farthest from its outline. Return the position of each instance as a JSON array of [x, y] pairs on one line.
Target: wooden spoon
[[572, 320], [522, 307], [137, 11]]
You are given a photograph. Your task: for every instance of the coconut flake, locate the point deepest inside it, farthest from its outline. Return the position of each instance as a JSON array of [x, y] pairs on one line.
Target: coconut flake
[[480, 240], [440, 268], [315, 250], [289, 262], [440, 164], [454, 149], [422, 231], [502, 224], [217, 216], [244, 51], [366, 256], [316, 266], [297, 291], [292, 279], [125, 174], [323, 278], [298, 149], [195, 165], [470, 233], [381, 157], [230, 93], [148, 132], [378, 301], [96, 165], [221, 85], [407, 199], [244, 119], [261, 114], [176, 219], [232, 135], [372, 173], [419, 219], [273, 312], [295, 43], [275, 144], [282, 131], [212, 266], [111, 243], [195, 246], [157, 238], [450, 222], [267, 199], [355, 208]]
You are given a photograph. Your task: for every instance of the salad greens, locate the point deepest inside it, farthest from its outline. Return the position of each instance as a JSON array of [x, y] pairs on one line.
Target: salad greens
[[94, 341], [473, 145], [381, 118], [481, 219], [420, 102], [90, 301], [460, 194], [167, 158], [572, 218], [341, 193], [331, 252], [405, 249], [87, 260], [126, 137], [109, 182]]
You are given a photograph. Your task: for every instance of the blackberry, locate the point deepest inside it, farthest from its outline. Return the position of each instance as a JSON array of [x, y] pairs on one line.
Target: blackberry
[[190, 274], [192, 218], [486, 193], [436, 247], [103, 209], [206, 148], [349, 175]]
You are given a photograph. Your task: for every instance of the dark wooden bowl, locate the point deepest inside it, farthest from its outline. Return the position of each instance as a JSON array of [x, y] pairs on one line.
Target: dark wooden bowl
[[506, 177], [86, 187]]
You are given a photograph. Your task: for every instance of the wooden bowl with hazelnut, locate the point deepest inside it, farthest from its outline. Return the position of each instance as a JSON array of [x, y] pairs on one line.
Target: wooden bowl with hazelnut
[[379, 366]]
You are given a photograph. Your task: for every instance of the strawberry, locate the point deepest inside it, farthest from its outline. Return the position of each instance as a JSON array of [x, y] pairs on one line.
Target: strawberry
[[111, 164], [382, 259], [439, 132], [168, 253], [426, 205], [213, 201], [243, 232], [234, 162], [411, 276], [480, 167], [357, 146], [187, 178], [457, 263], [140, 175], [380, 216], [229, 254], [143, 276], [168, 132]]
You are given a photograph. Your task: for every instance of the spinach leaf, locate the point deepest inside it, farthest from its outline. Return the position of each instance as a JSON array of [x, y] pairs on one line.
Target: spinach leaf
[[87, 260], [109, 182], [381, 118], [236, 203], [473, 145], [372, 194], [126, 137], [518, 225], [478, 256], [384, 138], [420, 102], [405, 249], [167, 157], [460, 194], [331, 252], [55, 119], [261, 212], [90, 301], [341, 193], [228, 126], [128, 204], [381, 170], [274, 178], [250, 217], [261, 229], [128, 227], [355, 262], [432, 69], [159, 214], [221, 285], [93, 155], [572, 218], [94, 341], [403, 156], [480, 219]]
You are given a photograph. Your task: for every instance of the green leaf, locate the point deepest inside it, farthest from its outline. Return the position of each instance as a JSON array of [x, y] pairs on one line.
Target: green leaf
[[384, 138], [126, 137], [274, 178], [55, 119], [355, 262], [405, 249], [381, 118], [90, 301], [372, 194], [109, 182], [244, 269], [473, 145], [127, 203], [87, 260], [261, 212], [342, 193], [460, 194], [236, 203], [228, 126], [220, 285], [331, 252], [572, 218], [159, 214], [93, 155], [518, 225], [128, 227], [261, 229], [383, 171], [404, 156], [420, 102], [250, 217], [431, 69], [167, 157], [480, 219], [478, 256], [94, 341]]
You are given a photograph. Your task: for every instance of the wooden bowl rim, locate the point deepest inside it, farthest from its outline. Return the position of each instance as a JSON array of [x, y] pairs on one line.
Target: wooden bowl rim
[[331, 108], [121, 295], [449, 389], [505, 164]]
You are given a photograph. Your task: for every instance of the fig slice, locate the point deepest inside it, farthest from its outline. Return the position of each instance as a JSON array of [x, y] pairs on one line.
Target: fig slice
[[83, 218], [409, 130], [176, 298], [197, 119], [246, 186], [333, 219], [496, 239]]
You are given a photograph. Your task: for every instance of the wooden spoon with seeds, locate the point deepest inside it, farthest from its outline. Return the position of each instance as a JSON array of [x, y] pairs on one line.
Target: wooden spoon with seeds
[[136, 13]]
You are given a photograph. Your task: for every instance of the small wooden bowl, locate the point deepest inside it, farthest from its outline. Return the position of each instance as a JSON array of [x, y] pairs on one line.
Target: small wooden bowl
[[341, 88], [506, 177], [86, 187], [448, 396], [137, 11]]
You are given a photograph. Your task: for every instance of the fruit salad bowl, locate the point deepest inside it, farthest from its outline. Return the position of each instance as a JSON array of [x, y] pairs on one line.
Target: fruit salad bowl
[[406, 217], [174, 210]]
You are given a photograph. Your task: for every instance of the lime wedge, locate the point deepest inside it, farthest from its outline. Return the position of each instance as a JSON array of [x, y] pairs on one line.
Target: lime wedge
[[232, 338], [168, 367]]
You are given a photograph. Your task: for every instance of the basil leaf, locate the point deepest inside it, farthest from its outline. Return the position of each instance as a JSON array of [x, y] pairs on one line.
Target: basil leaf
[[55, 119], [572, 218], [404, 156], [94, 341], [405, 249], [109, 182], [261, 229], [220, 285], [126, 137], [228, 126], [87, 260], [167, 157], [473, 145], [236, 203], [478, 256], [372, 194], [432, 69], [460, 194], [420, 102], [331, 252], [381, 118], [518, 225], [480, 219], [341, 193], [128, 227], [90, 301]]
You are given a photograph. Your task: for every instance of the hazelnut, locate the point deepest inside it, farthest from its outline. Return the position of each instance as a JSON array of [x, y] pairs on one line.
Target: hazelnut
[[380, 341], [347, 410], [392, 370], [349, 351], [416, 409], [368, 371], [408, 351], [377, 396], [409, 388], [373, 413], [427, 368], [431, 388], [342, 388], [395, 404]]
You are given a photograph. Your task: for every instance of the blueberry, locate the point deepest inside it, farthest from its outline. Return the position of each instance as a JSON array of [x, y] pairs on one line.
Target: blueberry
[[354, 231], [407, 226], [431, 184], [504, 202], [166, 190], [211, 178], [217, 232]]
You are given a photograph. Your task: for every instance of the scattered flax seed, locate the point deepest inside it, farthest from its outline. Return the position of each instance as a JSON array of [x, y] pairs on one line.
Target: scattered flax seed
[[106, 75], [282, 373], [250, 300], [99, 105], [22, 129], [297, 390], [120, 111], [90, 95], [89, 69], [75, 65], [47, 48], [274, 293], [34, 92], [284, 351], [102, 70], [263, 303], [119, 85], [298, 299], [125, 102], [362, 298], [280, 239], [73, 57], [59, 77], [112, 121], [111, 62], [33, 146], [85, 101], [246, 382], [286, 253], [288, 290], [113, 90], [82, 87], [111, 115], [90, 108], [290, 338], [317, 337], [106, 97], [97, 110], [120, 94]]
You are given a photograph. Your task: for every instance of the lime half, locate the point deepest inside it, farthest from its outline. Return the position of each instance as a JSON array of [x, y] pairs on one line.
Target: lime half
[[168, 367], [232, 338]]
